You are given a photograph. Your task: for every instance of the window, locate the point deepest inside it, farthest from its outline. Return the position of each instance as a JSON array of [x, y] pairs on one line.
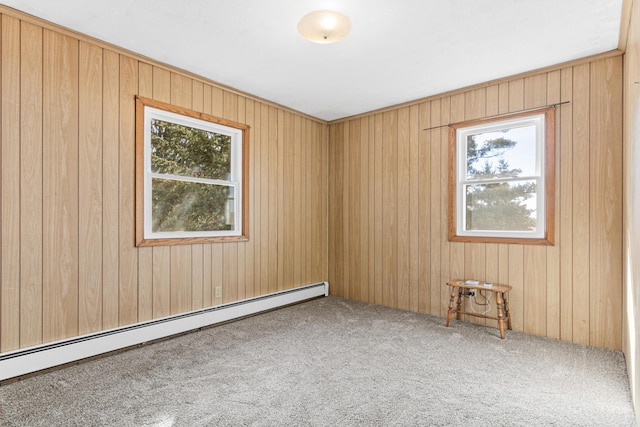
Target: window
[[191, 176], [501, 179]]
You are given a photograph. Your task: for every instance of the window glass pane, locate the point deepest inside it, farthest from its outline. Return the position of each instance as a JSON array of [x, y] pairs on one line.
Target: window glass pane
[[500, 154], [501, 206], [187, 151], [190, 206]]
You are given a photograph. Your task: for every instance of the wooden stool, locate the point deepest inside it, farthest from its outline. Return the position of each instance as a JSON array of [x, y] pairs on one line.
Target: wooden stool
[[502, 305]]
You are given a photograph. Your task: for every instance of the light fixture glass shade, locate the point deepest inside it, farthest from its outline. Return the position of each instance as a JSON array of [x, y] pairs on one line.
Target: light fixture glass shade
[[324, 26]]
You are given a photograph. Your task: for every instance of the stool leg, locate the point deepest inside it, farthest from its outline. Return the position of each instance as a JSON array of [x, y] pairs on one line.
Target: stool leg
[[453, 295], [459, 304], [500, 304], [506, 310]]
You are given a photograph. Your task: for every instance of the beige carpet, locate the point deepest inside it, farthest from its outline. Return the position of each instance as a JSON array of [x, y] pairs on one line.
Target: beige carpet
[[334, 362]]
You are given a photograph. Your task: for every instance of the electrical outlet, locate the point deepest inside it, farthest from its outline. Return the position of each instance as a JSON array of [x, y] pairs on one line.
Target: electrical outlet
[[218, 292]]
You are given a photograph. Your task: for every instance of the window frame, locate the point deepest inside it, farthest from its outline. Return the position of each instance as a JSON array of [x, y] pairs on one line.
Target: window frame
[[457, 168], [146, 111]]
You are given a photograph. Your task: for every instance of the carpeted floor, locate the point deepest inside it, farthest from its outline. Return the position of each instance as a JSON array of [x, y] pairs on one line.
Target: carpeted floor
[[334, 362]]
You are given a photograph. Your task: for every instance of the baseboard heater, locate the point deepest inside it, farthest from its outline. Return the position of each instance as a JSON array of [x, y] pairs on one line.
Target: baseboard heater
[[28, 360]]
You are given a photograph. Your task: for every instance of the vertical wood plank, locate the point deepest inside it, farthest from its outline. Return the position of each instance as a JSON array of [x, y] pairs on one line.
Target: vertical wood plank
[[128, 281], [553, 252], [437, 281], [216, 270], [332, 270], [110, 198], [418, 226], [354, 254], [296, 200], [443, 109], [273, 200], [403, 209], [31, 136], [306, 203], [580, 191], [372, 209], [337, 207], [90, 189], [535, 290], [379, 217], [288, 210], [251, 244], [264, 199], [257, 208], [390, 208], [492, 100], [565, 149], [605, 208], [281, 179], [60, 203], [363, 190], [346, 193], [10, 196], [535, 91], [322, 232], [516, 280], [475, 104]]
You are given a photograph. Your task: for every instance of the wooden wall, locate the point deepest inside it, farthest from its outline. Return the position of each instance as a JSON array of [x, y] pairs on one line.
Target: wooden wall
[[388, 197], [631, 343], [378, 190], [69, 265]]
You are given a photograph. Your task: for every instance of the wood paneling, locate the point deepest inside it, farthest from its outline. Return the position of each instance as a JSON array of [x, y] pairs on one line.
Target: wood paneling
[[110, 206], [361, 201], [60, 189], [31, 185], [631, 242], [69, 263], [10, 195], [90, 188], [571, 290]]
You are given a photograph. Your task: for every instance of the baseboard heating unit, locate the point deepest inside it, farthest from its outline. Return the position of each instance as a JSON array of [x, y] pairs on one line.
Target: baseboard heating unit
[[28, 360]]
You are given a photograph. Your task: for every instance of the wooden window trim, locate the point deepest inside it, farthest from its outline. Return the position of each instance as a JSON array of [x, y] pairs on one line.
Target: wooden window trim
[[140, 239], [549, 176]]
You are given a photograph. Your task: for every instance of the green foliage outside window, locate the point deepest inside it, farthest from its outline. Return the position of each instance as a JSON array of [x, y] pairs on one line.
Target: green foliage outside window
[[179, 205], [497, 205]]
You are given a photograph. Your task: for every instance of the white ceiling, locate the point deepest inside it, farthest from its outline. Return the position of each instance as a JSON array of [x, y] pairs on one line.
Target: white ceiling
[[398, 50]]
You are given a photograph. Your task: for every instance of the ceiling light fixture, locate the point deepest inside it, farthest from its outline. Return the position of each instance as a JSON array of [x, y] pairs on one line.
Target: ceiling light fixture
[[324, 26]]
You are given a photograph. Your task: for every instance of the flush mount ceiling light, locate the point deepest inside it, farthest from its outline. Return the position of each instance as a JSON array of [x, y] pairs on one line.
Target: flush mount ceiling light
[[324, 26]]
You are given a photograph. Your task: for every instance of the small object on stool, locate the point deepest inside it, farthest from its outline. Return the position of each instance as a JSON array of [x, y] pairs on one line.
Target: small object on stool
[[488, 284]]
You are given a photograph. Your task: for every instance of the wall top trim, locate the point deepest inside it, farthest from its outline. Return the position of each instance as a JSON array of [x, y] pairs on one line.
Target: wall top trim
[[625, 23]]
